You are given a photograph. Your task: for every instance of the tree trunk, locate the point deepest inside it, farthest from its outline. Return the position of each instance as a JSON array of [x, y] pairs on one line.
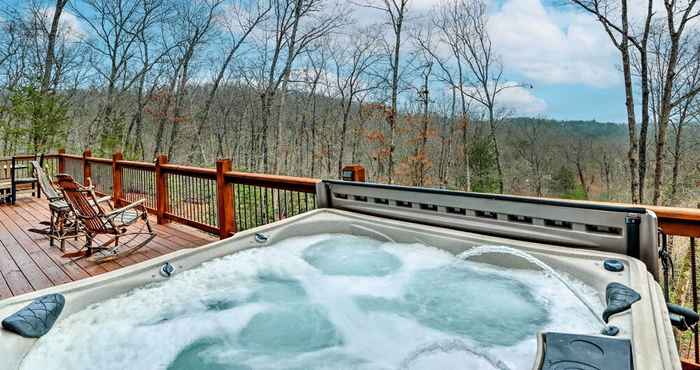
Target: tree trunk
[[629, 103], [196, 150], [665, 114], [48, 63], [343, 129], [644, 77], [394, 92], [677, 152], [499, 169]]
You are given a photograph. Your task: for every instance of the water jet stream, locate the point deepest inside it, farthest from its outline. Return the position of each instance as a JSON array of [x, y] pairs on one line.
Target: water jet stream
[[447, 346], [490, 249]]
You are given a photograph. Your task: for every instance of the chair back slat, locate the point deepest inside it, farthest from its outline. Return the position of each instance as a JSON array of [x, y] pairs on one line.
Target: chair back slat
[[77, 197], [45, 183]]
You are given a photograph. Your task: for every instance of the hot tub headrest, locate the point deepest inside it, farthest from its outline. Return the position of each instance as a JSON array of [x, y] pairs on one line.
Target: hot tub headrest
[[36, 319], [619, 298]]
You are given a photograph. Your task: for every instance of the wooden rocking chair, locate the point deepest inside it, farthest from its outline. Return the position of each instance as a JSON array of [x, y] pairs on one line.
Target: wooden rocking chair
[[62, 225], [95, 221]]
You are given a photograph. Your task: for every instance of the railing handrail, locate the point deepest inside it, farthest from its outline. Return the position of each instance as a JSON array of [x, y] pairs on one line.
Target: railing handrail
[[28, 156], [69, 156], [136, 164], [303, 184], [98, 160], [189, 170]]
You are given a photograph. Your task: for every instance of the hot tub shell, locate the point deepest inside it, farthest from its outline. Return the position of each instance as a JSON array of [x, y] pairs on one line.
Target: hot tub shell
[[646, 324]]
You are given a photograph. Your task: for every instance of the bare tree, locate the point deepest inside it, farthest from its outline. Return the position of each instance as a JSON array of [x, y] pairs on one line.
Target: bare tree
[[678, 14], [244, 21], [351, 66], [529, 146], [115, 28], [196, 21], [51, 44], [623, 38], [293, 26], [485, 82], [395, 10]]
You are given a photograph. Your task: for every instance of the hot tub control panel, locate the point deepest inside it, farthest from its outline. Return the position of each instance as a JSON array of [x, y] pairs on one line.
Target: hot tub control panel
[[585, 352]]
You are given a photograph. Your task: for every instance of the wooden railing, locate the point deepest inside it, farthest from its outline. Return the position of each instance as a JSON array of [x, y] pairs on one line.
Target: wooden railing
[[678, 231], [216, 200]]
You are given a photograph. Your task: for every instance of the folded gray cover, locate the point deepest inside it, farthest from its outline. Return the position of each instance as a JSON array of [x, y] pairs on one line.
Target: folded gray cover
[[37, 318]]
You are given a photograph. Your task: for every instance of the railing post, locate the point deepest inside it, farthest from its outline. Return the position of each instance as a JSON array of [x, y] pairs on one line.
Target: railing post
[[117, 179], [353, 172], [87, 172], [224, 200], [61, 161], [161, 190]]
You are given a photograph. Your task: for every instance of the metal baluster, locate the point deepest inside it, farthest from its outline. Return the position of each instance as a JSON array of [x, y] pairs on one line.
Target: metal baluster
[[190, 197], [266, 210], [663, 255], [693, 282], [248, 211], [270, 205], [255, 205], [241, 207], [175, 206]]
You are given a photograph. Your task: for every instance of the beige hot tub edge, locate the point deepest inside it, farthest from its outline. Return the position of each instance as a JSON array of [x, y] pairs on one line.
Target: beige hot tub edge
[[646, 323]]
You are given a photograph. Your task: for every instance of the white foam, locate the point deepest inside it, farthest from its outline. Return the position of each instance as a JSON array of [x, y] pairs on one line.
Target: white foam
[[148, 327]]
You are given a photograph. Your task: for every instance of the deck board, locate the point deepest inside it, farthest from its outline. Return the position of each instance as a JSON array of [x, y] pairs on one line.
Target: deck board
[[29, 263]]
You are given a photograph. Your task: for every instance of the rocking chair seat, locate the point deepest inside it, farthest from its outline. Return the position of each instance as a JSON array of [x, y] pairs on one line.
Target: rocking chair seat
[[126, 218]]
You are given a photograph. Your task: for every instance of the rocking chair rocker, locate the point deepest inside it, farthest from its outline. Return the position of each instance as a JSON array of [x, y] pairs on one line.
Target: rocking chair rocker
[[95, 220]]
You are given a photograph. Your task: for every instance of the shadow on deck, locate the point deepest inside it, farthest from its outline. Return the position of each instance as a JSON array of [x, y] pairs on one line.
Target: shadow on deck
[[28, 263]]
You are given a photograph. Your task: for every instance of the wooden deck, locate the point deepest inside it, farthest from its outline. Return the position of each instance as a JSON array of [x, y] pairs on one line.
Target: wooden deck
[[28, 263]]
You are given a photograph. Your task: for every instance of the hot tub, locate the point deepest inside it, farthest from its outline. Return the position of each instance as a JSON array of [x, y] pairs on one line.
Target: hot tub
[[394, 337]]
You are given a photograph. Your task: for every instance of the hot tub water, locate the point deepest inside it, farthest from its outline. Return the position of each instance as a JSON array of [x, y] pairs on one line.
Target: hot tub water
[[323, 302]]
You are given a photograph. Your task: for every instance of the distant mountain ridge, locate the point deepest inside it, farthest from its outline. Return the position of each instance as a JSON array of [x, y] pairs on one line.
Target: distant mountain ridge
[[587, 128]]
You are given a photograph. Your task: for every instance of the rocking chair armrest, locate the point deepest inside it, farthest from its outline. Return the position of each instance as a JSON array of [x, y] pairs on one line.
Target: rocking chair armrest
[[106, 198], [53, 199], [118, 211]]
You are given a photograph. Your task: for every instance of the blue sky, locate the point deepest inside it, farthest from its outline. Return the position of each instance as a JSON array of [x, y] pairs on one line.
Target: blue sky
[[577, 102]]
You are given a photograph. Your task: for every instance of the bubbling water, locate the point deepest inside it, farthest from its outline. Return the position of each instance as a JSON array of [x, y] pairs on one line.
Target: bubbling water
[[323, 302]]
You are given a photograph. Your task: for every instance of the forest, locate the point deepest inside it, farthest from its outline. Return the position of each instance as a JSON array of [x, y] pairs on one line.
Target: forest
[[303, 87]]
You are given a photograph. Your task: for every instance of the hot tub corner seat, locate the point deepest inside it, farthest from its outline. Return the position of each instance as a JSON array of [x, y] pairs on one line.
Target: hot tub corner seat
[[37, 318]]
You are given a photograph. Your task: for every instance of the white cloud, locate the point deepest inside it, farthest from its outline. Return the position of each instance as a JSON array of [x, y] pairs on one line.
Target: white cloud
[[521, 101], [553, 46], [69, 25]]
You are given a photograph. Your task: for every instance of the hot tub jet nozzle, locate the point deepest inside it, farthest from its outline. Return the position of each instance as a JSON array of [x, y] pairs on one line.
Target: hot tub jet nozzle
[[261, 238], [167, 270]]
